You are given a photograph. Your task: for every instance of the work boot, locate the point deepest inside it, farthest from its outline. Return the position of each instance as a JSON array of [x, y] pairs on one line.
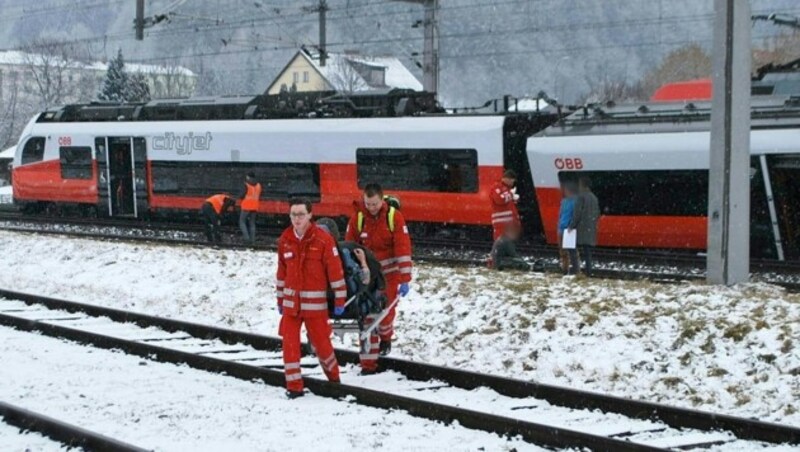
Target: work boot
[[385, 348], [365, 372], [294, 394]]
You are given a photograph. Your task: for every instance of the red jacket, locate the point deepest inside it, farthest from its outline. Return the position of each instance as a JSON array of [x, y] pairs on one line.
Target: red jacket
[[306, 267], [504, 209], [392, 249]]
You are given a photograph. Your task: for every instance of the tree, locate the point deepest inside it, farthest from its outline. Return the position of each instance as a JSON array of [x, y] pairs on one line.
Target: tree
[[686, 63], [119, 86], [137, 89], [52, 69], [114, 84], [343, 76]]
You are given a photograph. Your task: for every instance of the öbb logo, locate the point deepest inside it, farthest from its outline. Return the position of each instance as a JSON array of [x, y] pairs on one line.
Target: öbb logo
[[569, 163], [65, 141], [182, 144]]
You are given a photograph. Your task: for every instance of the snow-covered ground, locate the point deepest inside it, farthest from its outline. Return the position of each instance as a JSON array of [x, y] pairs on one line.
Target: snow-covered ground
[[168, 407], [733, 350], [12, 439]]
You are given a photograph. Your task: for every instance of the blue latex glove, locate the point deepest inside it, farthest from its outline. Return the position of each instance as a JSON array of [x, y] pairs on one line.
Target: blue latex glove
[[337, 311], [403, 289], [280, 309]]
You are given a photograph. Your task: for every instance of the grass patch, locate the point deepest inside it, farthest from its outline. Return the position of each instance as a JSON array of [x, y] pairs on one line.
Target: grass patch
[[738, 331], [717, 372]]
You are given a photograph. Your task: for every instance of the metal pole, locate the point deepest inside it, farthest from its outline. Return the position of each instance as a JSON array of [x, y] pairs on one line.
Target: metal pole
[[728, 258], [323, 8], [430, 56], [139, 20]]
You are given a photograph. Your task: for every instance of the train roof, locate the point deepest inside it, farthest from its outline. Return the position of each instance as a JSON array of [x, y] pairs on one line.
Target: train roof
[[384, 103], [661, 117]]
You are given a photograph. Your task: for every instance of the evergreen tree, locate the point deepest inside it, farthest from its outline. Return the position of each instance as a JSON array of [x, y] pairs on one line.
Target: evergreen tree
[[116, 80], [137, 89]]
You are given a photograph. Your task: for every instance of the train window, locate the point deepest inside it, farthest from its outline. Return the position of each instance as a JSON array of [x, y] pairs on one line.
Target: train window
[[656, 193], [279, 181], [431, 170], [33, 151], [76, 162]]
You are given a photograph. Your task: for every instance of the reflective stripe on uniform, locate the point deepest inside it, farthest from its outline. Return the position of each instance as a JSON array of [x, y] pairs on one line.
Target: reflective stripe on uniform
[[390, 270], [288, 292], [288, 303], [339, 283], [405, 270], [293, 377], [314, 306], [402, 259], [340, 293], [386, 262], [289, 366], [280, 283], [313, 294], [371, 356]]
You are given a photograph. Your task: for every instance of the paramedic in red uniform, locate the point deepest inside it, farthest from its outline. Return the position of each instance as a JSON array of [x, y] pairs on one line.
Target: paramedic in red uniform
[[382, 229], [504, 203], [308, 263]]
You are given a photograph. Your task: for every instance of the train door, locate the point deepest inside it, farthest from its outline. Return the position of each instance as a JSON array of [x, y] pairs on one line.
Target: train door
[[764, 237], [783, 172], [117, 181]]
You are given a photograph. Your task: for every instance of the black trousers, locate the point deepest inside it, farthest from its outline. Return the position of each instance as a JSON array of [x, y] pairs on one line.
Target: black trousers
[[212, 223], [586, 253]]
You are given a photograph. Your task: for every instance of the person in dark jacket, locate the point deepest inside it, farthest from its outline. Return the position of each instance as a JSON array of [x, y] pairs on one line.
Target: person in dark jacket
[[584, 220], [504, 251], [212, 212]]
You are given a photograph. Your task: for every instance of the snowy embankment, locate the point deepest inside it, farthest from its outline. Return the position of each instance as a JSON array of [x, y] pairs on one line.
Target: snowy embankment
[[15, 439], [168, 407], [732, 350]]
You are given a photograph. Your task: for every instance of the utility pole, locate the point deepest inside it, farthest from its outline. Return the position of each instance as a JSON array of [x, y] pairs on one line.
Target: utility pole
[[139, 20], [728, 260], [430, 54], [321, 9]]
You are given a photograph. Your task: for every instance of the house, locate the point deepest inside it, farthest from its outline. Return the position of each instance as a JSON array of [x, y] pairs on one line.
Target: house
[[81, 80], [345, 72]]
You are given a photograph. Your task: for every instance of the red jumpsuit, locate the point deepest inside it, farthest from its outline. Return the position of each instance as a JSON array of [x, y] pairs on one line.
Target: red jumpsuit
[[306, 267], [504, 208], [393, 250]]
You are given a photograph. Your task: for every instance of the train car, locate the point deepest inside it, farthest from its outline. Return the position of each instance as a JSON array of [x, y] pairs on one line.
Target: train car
[[165, 157], [648, 166]]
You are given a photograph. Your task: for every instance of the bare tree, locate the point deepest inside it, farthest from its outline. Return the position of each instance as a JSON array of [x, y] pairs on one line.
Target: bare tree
[[53, 73], [343, 76], [685, 63], [779, 49], [606, 85]]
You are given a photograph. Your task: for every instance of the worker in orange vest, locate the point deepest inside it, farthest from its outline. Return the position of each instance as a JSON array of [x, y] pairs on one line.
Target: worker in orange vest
[[504, 199], [212, 211], [382, 229], [308, 264], [250, 195]]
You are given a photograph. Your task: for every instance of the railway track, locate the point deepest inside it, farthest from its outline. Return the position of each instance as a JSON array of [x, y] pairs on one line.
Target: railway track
[[165, 235], [67, 434], [541, 414]]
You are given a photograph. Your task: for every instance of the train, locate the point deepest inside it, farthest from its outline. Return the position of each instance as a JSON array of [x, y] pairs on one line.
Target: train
[[648, 163], [166, 157]]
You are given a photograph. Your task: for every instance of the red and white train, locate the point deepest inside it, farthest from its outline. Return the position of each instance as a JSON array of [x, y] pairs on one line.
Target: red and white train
[[648, 166], [440, 166]]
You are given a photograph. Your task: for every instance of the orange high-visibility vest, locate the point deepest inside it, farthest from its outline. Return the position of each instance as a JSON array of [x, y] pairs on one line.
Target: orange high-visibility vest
[[250, 201], [216, 202]]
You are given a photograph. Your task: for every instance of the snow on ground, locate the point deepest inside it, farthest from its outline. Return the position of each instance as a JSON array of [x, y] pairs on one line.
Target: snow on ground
[[6, 194], [176, 408], [12, 439], [732, 350]]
